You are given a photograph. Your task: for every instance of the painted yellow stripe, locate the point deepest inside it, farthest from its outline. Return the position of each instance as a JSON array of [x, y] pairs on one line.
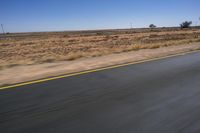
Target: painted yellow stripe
[[95, 70]]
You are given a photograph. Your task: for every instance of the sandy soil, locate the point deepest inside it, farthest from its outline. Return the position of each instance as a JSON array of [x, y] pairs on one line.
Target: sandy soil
[[25, 73], [39, 48]]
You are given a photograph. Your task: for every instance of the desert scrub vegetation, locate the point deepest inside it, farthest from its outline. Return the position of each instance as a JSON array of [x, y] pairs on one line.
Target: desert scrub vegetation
[[36, 48], [186, 24]]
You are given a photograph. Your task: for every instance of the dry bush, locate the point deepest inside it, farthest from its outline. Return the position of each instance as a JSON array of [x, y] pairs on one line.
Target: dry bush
[[74, 55]]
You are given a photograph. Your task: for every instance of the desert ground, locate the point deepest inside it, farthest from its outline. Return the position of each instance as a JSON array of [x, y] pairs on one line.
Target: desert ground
[[31, 56], [37, 48]]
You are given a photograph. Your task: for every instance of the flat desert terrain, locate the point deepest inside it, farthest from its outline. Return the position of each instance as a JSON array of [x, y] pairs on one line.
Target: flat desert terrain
[[37, 48], [32, 56]]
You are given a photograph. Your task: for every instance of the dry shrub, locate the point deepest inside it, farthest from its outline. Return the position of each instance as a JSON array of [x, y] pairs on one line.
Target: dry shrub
[[72, 40], [153, 35], [154, 46], [6, 45], [48, 60], [74, 55], [136, 47], [66, 36]]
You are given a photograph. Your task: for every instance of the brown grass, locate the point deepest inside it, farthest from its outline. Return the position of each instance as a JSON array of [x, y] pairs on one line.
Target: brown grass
[[35, 48]]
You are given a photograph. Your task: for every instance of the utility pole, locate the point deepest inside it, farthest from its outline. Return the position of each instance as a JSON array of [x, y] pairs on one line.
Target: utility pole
[[196, 23], [131, 24], [2, 28], [199, 21]]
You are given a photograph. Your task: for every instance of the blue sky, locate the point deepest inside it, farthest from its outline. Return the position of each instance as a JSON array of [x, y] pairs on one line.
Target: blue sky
[[60, 15]]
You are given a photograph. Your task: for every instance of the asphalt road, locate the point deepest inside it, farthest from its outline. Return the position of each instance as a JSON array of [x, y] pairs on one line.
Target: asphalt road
[[160, 96]]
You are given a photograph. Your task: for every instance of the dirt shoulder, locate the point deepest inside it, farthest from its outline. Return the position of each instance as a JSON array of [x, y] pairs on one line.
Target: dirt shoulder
[[25, 73]]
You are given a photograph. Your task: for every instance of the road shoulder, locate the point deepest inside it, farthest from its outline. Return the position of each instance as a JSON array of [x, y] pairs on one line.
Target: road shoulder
[[20, 74]]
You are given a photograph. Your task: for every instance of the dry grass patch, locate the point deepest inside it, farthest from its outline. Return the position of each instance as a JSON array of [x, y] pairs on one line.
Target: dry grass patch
[[35, 48]]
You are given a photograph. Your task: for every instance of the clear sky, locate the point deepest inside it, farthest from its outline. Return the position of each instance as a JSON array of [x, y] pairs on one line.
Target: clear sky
[[61, 15]]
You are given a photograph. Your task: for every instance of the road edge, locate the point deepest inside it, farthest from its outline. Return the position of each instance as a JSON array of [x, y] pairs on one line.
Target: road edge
[[96, 70]]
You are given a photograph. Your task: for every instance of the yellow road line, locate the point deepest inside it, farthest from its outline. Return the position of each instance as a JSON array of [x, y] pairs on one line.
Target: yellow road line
[[95, 70]]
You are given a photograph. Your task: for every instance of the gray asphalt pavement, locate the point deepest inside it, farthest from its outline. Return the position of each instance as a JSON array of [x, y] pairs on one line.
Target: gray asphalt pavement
[[160, 96]]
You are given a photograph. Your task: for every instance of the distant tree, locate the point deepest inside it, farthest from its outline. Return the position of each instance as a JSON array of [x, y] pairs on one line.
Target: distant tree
[[186, 24], [152, 26]]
